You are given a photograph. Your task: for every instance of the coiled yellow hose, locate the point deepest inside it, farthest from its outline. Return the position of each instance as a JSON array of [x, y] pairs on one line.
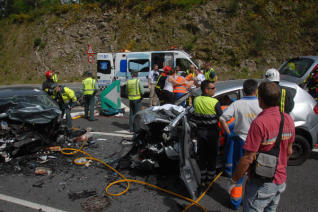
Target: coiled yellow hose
[[73, 151]]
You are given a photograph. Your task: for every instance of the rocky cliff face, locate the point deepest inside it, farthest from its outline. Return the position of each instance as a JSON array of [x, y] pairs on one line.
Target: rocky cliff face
[[239, 40]]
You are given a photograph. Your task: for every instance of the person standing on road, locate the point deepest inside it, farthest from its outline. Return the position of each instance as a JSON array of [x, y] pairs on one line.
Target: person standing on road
[[209, 73], [48, 85], [167, 91], [207, 111], [135, 91], [180, 90], [66, 99], [152, 79], [263, 193], [286, 101], [244, 111], [89, 89]]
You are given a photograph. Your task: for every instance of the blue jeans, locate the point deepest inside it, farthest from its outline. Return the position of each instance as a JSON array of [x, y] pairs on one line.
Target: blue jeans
[[261, 196]]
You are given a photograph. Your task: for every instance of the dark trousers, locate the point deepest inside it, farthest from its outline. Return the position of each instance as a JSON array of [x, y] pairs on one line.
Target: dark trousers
[[207, 151], [134, 107], [89, 104], [167, 97], [66, 109]]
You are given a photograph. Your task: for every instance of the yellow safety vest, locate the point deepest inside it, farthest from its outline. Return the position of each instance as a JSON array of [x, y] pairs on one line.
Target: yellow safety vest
[[55, 78], [67, 95], [89, 86], [133, 89], [205, 105], [207, 75]]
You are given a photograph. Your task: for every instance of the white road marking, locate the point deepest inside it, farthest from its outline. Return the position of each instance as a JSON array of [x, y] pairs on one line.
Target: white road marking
[[28, 204], [123, 132], [112, 134], [315, 150]]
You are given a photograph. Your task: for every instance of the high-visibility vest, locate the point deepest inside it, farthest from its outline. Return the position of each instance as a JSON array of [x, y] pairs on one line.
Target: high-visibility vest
[[55, 78], [180, 88], [188, 71], [89, 86], [221, 132], [133, 89], [282, 100], [67, 95], [208, 73], [205, 105]]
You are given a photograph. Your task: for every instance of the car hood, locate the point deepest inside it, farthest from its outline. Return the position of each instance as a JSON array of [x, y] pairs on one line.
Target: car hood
[[28, 112], [291, 79]]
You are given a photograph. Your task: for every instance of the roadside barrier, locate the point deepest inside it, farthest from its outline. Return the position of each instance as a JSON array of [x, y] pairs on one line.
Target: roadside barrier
[[84, 160]]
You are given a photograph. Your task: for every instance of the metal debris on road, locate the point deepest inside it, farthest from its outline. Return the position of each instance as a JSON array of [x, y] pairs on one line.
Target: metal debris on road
[[42, 171]]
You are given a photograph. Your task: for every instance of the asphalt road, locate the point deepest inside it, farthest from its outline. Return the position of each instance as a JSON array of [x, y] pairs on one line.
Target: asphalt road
[[69, 186]]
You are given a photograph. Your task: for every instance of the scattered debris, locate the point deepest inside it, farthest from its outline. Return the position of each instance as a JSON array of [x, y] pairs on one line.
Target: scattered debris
[[96, 203], [80, 194], [54, 148], [42, 171]]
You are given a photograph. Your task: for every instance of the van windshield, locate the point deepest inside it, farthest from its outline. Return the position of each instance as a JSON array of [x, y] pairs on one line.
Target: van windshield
[[141, 65], [296, 67]]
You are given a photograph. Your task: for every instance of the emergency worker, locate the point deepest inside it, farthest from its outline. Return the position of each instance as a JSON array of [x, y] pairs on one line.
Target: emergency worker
[[191, 70], [244, 111], [167, 91], [209, 73], [135, 91], [207, 111], [55, 77], [89, 89], [66, 99], [48, 85], [180, 90], [286, 102], [311, 83]]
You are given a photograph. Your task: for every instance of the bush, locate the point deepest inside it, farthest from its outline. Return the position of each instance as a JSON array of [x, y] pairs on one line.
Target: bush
[[36, 42], [19, 18]]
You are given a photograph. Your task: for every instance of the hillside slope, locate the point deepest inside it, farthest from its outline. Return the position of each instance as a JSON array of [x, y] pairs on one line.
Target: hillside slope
[[239, 39]]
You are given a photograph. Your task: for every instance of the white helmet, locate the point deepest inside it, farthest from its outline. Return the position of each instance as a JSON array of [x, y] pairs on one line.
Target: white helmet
[[272, 75]]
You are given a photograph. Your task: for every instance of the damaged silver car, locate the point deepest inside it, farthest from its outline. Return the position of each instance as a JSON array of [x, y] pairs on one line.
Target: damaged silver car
[[30, 120]]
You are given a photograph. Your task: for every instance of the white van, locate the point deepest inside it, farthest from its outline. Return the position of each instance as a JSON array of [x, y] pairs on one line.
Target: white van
[[112, 66]]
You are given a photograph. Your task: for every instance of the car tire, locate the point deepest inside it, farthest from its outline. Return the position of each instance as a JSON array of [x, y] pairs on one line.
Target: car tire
[[301, 151]]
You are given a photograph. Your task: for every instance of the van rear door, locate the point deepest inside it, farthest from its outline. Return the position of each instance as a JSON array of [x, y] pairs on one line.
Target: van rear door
[[105, 69]]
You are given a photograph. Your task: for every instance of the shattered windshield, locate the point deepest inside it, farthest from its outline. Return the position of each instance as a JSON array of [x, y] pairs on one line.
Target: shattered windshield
[[296, 67]]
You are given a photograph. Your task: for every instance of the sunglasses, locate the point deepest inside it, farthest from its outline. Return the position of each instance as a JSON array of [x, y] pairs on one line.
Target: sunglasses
[[211, 88]]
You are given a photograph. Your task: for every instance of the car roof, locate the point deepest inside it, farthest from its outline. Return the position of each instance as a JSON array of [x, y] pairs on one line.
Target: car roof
[[228, 85], [20, 91]]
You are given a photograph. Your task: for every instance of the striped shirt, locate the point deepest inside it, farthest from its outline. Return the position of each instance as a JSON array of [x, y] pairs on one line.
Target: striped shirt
[[263, 134]]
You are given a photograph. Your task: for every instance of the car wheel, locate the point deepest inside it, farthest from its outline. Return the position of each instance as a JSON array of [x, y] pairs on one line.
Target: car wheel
[[301, 151]]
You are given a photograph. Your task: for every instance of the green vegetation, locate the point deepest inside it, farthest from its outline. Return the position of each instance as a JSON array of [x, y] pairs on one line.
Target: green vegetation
[[240, 38]]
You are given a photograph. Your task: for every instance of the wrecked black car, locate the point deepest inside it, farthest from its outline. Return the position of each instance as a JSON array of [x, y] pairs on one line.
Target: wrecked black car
[[30, 120], [167, 132]]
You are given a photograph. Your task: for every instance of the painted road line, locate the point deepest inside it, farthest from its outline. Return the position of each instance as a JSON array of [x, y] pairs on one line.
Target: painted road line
[[123, 132], [28, 204], [112, 134]]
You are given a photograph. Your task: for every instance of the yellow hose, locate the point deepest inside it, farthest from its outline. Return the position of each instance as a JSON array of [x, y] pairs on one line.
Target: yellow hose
[[73, 151]]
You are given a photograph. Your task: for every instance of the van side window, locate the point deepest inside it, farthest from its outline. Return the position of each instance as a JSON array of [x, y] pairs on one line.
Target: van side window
[[141, 65], [184, 64], [103, 66]]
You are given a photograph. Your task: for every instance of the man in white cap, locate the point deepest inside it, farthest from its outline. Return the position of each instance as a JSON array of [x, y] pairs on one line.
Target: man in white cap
[[286, 103]]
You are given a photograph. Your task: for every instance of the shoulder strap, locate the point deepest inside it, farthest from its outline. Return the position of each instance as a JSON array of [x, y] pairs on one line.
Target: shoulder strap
[[276, 149]]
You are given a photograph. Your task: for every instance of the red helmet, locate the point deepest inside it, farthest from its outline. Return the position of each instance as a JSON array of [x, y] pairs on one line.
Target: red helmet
[[167, 69], [49, 74]]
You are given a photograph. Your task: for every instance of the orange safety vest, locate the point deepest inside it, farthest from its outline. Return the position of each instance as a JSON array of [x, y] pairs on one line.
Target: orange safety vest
[[180, 88], [221, 132]]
